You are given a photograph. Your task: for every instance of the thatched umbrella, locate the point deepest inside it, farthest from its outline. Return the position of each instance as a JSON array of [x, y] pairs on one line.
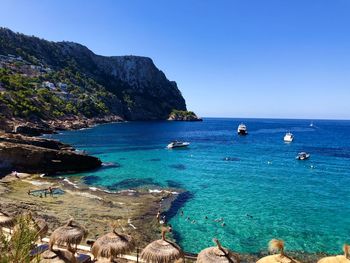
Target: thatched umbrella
[[276, 246], [6, 220], [41, 227], [57, 256], [162, 250], [71, 233], [112, 244], [338, 259], [37, 225], [217, 254]]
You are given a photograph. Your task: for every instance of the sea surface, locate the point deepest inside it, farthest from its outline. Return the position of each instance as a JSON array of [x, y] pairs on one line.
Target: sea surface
[[253, 184]]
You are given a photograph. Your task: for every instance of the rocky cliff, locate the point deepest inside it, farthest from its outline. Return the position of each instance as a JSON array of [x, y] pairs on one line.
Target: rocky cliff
[[79, 82]]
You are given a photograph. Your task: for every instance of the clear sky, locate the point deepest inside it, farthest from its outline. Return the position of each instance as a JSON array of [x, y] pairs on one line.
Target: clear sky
[[247, 58]]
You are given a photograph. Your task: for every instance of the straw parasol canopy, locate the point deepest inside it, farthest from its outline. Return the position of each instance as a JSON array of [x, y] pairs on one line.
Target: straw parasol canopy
[[37, 225], [217, 254], [338, 259], [6, 220], [41, 227], [112, 244], [276, 246], [57, 256], [162, 250], [71, 233]]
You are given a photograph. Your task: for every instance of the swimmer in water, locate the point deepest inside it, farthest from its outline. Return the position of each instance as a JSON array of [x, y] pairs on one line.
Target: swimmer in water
[[181, 213], [158, 216]]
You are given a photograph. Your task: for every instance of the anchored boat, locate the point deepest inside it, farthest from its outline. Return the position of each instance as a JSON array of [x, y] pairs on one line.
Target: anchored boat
[[177, 144], [242, 129], [288, 137], [302, 156]]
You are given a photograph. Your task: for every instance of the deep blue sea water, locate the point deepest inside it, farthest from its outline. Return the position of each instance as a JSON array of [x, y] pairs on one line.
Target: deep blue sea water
[[254, 182]]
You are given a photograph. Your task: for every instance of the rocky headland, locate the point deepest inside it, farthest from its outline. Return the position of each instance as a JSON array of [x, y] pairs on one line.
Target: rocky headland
[[47, 81], [178, 115], [38, 155]]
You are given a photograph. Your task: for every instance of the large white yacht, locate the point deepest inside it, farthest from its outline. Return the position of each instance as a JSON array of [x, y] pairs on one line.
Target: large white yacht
[[177, 144], [242, 129], [288, 137]]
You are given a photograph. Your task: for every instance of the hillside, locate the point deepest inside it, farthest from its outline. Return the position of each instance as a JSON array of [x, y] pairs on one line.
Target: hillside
[[51, 82]]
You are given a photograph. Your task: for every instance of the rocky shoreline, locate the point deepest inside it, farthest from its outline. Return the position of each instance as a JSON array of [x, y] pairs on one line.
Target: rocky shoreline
[[134, 210], [39, 127], [21, 151]]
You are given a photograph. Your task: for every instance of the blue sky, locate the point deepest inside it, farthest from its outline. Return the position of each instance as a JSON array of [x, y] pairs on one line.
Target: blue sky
[[248, 58]]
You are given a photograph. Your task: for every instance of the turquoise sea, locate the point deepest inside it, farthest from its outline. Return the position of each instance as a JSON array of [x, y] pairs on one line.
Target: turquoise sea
[[254, 183]]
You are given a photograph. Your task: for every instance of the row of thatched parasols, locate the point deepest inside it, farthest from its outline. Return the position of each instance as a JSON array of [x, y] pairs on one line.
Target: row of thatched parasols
[[109, 246]]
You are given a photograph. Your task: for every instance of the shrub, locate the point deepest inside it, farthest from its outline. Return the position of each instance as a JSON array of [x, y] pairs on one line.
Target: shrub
[[17, 249]]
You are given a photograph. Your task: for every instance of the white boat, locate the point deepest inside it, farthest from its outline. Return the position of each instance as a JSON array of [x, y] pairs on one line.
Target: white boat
[[311, 124], [242, 129], [302, 156], [177, 144], [288, 137]]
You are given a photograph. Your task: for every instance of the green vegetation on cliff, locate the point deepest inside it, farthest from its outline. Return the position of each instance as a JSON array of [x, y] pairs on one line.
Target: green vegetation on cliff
[[25, 96], [47, 80], [183, 115]]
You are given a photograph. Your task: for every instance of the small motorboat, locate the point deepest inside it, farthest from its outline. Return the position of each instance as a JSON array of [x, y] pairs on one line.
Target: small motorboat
[[177, 144], [242, 129], [302, 156], [288, 137]]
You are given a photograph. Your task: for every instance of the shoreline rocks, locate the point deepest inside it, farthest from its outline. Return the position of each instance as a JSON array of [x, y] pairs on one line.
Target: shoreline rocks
[[38, 155], [39, 127], [179, 115]]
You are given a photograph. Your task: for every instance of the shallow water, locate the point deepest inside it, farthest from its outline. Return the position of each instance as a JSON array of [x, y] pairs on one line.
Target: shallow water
[[254, 182]]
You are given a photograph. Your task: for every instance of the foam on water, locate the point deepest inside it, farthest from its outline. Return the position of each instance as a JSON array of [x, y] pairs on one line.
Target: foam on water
[[254, 183]]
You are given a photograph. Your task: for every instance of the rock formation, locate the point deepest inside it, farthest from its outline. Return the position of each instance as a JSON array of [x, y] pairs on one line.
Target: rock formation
[[37, 155]]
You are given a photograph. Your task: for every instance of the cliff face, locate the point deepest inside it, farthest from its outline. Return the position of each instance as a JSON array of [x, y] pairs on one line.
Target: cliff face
[[147, 93], [131, 87]]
